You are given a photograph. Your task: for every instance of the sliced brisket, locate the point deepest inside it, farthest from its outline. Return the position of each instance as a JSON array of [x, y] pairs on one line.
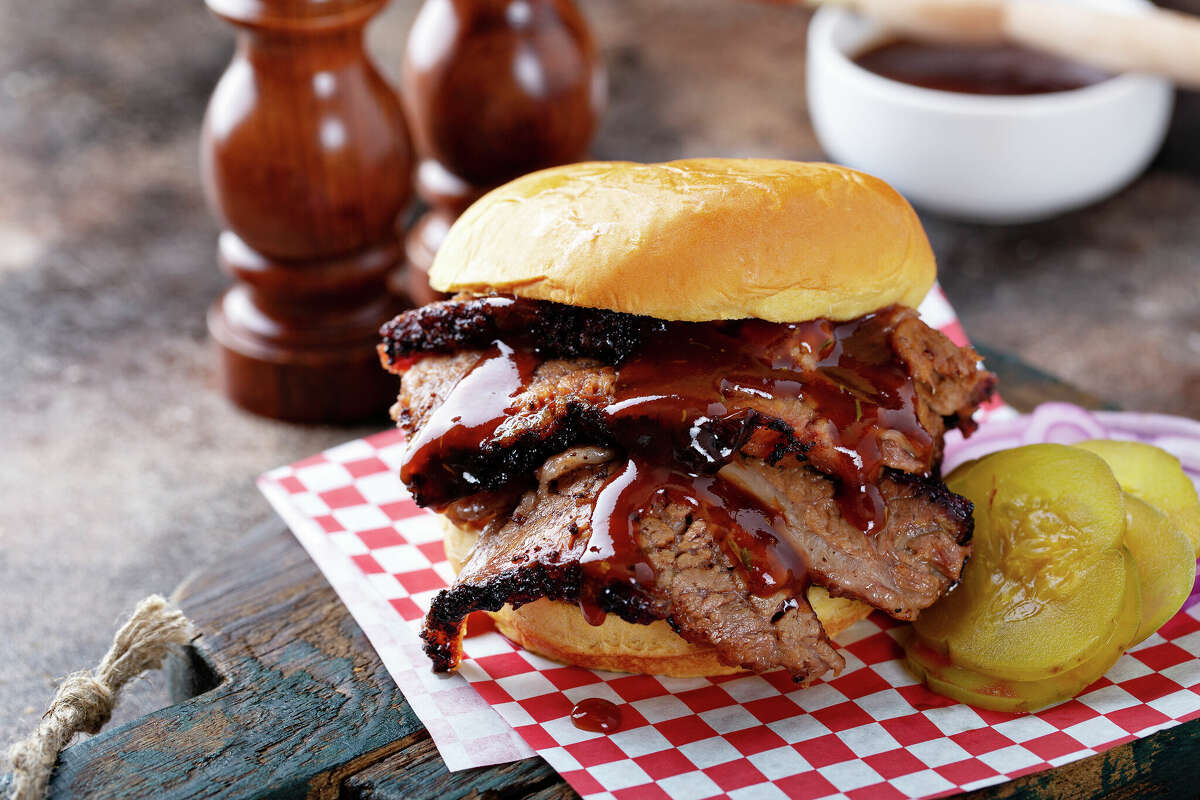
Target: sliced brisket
[[520, 414], [696, 586], [565, 406], [948, 378], [900, 569], [570, 401], [534, 554], [710, 603]]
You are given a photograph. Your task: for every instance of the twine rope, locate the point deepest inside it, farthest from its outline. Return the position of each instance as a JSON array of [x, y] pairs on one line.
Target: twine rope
[[85, 700]]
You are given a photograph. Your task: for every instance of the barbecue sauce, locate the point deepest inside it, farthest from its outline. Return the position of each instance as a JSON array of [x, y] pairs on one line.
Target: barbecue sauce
[[471, 413], [679, 406], [983, 69], [597, 715], [768, 564]]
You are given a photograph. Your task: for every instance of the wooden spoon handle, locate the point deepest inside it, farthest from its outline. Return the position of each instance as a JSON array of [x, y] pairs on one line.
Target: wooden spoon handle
[[952, 21], [1157, 41]]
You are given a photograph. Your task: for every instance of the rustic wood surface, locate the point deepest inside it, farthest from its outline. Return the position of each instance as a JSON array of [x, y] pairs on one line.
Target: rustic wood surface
[[124, 467], [283, 697]]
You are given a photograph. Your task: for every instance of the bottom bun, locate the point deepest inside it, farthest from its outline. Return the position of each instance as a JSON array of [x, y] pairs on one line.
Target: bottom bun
[[559, 631]]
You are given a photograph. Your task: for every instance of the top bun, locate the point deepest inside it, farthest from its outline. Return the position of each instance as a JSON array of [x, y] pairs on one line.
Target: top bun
[[702, 239]]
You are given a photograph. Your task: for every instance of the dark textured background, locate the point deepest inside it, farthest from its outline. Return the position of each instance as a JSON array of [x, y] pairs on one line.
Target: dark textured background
[[122, 468]]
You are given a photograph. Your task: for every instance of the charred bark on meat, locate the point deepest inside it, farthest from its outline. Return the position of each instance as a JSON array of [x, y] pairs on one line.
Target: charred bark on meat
[[553, 330]]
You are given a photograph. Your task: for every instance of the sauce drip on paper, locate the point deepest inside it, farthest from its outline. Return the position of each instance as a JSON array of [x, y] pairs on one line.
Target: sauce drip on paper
[[597, 715]]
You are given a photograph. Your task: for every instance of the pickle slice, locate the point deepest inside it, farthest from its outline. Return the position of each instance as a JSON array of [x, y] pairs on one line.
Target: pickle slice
[[1045, 585], [1154, 475], [998, 694], [1165, 561]]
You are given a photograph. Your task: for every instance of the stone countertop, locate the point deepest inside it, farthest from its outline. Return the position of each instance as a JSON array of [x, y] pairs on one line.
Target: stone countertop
[[123, 468]]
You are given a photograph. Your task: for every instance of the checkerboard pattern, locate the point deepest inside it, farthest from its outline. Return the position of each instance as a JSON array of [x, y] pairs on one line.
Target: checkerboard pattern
[[871, 732]]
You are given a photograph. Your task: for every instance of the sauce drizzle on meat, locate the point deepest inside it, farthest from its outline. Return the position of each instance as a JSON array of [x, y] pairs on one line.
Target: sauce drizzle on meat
[[679, 400], [613, 553], [699, 473], [473, 411]]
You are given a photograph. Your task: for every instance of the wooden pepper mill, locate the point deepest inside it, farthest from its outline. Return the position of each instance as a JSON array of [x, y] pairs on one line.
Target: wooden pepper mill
[[306, 162], [493, 89]]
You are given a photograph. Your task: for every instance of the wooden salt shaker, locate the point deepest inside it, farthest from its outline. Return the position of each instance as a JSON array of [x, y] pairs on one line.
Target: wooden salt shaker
[[306, 162], [493, 89]]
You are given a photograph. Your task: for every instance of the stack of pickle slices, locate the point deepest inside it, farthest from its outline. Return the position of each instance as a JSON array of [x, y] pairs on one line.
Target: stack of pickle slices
[[1080, 553]]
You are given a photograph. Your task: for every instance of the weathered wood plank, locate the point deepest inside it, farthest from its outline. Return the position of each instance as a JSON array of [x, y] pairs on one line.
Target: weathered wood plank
[[275, 738], [302, 694], [1165, 766], [419, 772]]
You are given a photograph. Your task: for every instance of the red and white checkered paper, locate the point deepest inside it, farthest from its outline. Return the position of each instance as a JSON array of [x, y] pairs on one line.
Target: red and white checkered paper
[[873, 731]]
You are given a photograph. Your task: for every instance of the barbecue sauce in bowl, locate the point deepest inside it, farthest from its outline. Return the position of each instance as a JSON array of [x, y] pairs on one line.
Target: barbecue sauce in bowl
[[980, 69]]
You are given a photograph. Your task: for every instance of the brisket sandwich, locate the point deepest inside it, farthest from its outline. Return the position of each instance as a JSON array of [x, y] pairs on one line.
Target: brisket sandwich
[[682, 418]]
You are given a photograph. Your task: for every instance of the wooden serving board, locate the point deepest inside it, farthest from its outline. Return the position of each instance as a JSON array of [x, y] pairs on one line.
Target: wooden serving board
[[282, 696]]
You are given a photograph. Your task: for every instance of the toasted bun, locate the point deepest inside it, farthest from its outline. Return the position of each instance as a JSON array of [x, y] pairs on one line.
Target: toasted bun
[[695, 240], [559, 631]]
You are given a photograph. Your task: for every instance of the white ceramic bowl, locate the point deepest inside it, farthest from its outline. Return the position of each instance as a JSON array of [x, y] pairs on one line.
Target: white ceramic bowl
[[999, 159]]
